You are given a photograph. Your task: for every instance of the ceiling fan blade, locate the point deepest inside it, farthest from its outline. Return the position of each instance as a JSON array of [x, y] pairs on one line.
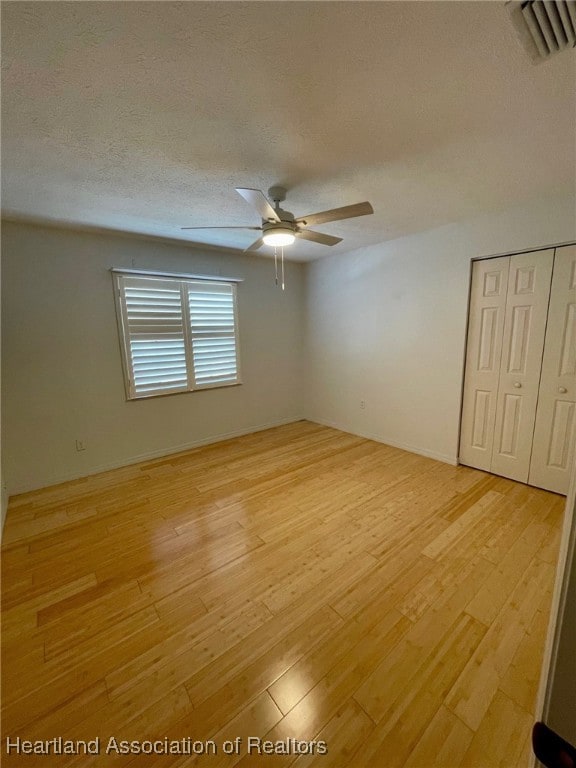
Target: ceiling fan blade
[[255, 245], [216, 226], [336, 214], [318, 237], [258, 200]]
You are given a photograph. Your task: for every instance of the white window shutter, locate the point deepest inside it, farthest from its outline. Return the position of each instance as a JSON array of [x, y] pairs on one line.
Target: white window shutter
[[212, 311], [155, 335], [177, 335]]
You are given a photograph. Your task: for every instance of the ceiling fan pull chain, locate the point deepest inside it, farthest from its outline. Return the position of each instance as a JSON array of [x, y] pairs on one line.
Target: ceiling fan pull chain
[[282, 251], [276, 263]]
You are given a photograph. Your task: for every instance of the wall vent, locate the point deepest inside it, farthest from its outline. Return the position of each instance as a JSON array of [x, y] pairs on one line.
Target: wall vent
[[546, 27]]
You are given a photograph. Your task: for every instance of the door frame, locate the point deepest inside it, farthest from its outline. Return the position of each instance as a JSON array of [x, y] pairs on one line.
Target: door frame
[[566, 557], [467, 324]]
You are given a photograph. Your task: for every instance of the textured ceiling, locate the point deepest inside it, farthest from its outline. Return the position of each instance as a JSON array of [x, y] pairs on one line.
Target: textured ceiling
[[144, 116]]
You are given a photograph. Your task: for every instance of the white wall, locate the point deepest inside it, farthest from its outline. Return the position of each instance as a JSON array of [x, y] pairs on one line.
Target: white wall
[[387, 324], [62, 372]]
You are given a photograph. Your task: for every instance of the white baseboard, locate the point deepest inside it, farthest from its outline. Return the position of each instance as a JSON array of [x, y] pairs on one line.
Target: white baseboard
[[445, 458], [162, 452]]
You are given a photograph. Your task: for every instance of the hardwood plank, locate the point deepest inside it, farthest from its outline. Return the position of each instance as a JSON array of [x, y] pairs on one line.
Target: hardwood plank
[[500, 740], [281, 644], [19, 619], [479, 483], [69, 713], [345, 733], [253, 721], [297, 682], [444, 742], [384, 693], [520, 681], [496, 589], [474, 521], [29, 693], [395, 737], [298, 583], [478, 683], [319, 704], [132, 722], [187, 649]]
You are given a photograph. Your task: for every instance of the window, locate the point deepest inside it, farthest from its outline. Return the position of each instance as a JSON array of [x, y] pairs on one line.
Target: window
[[176, 334]]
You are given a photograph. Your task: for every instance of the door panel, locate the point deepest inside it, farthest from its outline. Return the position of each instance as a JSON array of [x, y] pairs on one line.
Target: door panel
[[487, 345], [519, 339], [523, 343], [568, 361], [480, 419], [508, 439], [554, 435], [560, 433], [484, 350]]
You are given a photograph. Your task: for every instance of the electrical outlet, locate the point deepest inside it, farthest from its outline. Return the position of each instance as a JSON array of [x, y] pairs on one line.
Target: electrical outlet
[[362, 404], [80, 445]]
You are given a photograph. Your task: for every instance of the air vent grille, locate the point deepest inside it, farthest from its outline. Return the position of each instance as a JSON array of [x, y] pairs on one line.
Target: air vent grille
[[546, 26]]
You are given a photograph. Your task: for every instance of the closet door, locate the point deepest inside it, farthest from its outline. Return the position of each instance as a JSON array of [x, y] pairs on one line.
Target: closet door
[[484, 348], [523, 344], [553, 451]]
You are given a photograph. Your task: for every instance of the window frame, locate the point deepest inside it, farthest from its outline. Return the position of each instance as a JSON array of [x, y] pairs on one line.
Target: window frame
[[182, 280]]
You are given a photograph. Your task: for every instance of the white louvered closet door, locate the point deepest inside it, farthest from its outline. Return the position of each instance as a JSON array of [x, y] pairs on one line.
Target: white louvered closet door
[[554, 435], [485, 329], [522, 348]]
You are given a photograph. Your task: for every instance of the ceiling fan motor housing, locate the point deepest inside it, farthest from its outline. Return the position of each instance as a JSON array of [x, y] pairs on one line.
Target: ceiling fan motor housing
[[284, 226], [279, 233], [286, 222]]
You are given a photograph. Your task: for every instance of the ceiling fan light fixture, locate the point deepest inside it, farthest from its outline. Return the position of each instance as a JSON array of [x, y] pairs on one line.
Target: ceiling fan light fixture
[[279, 236]]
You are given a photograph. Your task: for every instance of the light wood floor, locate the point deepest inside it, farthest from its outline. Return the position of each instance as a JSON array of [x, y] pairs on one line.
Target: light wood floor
[[300, 582]]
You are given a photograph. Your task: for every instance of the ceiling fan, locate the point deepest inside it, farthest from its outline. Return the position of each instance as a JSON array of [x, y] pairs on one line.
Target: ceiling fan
[[280, 227]]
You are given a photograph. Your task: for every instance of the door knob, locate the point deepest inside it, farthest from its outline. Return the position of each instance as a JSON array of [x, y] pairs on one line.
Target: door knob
[[517, 384], [562, 390]]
